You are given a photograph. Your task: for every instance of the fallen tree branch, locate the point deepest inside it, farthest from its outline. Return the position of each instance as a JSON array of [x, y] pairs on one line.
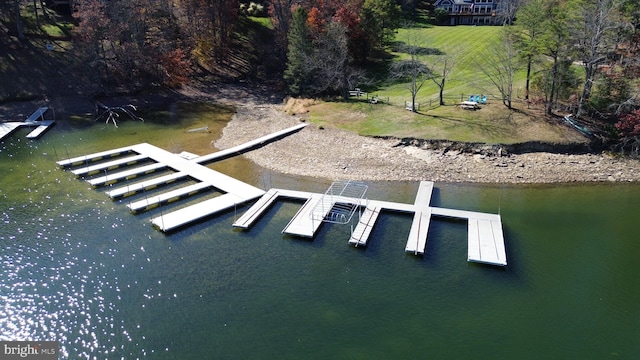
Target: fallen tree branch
[[111, 112]]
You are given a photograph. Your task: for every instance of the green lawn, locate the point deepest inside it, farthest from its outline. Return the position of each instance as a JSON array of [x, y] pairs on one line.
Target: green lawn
[[494, 123], [466, 45]]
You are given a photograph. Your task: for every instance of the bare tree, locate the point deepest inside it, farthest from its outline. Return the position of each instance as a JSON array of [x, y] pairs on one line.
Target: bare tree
[[331, 62], [441, 69], [501, 65], [593, 33], [508, 10], [411, 69]]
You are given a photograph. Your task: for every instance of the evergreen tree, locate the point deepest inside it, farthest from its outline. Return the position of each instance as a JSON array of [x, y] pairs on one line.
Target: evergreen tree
[[555, 43], [381, 18], [298, 73], [530, 22]]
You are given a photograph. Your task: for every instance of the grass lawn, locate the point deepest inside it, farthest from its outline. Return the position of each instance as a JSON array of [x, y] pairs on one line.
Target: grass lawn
[[492, 124]]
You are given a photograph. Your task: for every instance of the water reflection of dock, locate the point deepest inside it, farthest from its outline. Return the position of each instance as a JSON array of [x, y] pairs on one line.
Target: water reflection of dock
[[485, 236]]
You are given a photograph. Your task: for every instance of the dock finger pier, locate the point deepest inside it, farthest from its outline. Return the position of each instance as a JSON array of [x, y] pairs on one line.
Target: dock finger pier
[[136, 169]]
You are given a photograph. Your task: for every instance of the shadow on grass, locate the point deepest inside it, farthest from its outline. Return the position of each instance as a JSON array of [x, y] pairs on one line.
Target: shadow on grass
[[402, 47]]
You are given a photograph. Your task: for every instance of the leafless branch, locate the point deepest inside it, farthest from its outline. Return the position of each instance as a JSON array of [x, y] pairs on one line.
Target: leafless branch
[[111, 113]]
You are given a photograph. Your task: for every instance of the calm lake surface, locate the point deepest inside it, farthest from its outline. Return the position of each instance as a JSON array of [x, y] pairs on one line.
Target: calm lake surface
[[79, 268]]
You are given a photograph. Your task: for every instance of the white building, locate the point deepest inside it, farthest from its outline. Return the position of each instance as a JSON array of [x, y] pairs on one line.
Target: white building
[[471, 12]]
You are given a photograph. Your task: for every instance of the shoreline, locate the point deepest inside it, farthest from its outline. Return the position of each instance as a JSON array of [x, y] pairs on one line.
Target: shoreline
[[333, 154]]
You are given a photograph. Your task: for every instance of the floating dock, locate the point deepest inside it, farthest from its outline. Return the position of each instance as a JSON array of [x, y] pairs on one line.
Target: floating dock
[[485, 240], [153, 201], [36, 119], [8, 128], [303, 223], [131, 189], [251, 215], [127, 160], [485, 235], [235, 191], [86, 159], [361, 233], [417, 241]]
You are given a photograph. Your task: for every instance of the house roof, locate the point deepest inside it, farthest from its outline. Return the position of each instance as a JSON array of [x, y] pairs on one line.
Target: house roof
[[452, 2]]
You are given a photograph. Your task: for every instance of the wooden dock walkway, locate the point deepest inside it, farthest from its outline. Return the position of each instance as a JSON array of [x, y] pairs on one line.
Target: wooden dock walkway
[[8, 128], [145, 185], [86, 159], [486, 242], [43, 126], [255, 211], [417, 241], [93, 169], [303, 223], [362, 231], [110, 178], [181, 217], [485, 235], [154, 201], [423, 196], [235, 192], [35, 119]]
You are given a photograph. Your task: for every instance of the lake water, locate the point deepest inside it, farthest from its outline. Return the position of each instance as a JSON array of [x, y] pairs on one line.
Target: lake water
[[79, 268]]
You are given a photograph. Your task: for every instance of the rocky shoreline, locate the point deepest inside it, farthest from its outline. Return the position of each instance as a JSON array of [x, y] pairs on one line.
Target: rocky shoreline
[[337, 154], [332, 153]]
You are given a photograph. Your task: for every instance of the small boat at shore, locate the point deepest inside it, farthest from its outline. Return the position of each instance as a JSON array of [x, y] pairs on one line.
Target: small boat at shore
[[582, 129]]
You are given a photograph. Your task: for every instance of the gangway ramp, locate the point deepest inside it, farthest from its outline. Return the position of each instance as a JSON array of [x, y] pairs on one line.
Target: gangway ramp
[[368, 219], [237, 150], [417, 241], [38, 114], [425, 190]]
